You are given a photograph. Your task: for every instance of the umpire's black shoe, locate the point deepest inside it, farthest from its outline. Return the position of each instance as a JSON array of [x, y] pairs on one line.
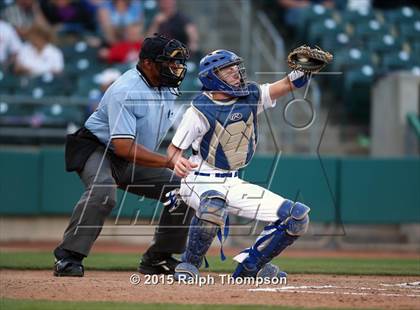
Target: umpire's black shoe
[[158, 264], [68, 267]]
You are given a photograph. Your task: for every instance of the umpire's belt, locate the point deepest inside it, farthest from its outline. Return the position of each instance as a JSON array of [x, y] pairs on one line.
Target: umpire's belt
[[218, 175]]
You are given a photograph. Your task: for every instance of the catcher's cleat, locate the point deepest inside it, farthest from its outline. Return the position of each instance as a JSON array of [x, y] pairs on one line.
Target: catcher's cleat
[[269, 271], [186, 271], [68, 267], [158, 264]]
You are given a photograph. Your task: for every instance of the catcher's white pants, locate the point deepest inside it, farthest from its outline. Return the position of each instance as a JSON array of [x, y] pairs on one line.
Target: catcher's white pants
[[243, 199]]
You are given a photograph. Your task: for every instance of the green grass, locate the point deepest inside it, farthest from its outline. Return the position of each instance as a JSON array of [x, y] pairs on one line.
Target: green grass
[[66, 305], [129, 262]]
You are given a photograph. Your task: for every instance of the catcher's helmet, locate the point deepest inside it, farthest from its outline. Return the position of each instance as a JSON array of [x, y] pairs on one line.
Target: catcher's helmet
[[171, 56], [217, 60]]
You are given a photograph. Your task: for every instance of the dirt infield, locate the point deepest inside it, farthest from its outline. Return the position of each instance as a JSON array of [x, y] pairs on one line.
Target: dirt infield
[[301, 290]]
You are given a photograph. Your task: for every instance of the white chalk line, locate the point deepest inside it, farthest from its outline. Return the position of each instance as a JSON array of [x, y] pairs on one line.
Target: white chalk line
[[331, 292], [409, 285], [317, 289]]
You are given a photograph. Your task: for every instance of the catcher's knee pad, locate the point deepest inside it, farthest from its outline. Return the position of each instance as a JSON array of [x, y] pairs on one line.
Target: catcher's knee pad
[[212, 207], [294, 215], [210, 216]]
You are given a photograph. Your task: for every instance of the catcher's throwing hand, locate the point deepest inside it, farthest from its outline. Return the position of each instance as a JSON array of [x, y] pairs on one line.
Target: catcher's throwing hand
[[183, 167], [308, 59]]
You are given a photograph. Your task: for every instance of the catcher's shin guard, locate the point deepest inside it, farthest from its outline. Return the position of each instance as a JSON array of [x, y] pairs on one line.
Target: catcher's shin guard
[[210, 216], [293, 222]]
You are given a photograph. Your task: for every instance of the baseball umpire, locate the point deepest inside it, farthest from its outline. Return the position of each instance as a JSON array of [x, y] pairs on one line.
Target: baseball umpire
[[116, 149]]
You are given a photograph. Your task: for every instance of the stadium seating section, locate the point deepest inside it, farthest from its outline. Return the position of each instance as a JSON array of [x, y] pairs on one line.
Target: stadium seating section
[[366, 46], [44, 109]]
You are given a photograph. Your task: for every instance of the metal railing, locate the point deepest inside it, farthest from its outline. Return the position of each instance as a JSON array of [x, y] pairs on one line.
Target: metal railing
[[414, 122]]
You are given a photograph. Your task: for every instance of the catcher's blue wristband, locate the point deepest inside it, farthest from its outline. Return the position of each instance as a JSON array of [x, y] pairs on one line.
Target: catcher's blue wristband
[[298, 78]]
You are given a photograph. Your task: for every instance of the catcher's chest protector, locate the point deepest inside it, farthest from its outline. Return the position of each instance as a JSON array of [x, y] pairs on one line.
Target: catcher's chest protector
[[231, 140]]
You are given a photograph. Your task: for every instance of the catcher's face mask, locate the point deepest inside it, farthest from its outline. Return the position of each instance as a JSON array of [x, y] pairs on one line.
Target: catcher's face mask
[[224, 71], [234, 75], [171, 63]]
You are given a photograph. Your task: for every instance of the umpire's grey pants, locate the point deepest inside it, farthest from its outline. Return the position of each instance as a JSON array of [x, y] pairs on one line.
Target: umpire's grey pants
[[99, 198]]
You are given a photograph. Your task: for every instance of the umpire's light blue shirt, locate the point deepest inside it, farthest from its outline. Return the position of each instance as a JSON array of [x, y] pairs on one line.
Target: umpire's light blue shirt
[[132, 109]]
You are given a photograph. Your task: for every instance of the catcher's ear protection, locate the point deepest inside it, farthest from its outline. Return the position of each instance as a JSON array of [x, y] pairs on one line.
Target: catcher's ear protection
[[217, 60]]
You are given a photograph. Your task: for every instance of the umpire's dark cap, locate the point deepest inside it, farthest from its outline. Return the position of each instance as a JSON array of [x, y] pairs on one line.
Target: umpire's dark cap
[[153, 47]]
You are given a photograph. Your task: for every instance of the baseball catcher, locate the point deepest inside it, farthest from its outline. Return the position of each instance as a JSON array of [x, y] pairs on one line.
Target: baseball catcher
[[221, 128]]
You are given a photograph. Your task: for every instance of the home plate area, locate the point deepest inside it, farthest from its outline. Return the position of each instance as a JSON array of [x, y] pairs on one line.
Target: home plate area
[[302, 290]]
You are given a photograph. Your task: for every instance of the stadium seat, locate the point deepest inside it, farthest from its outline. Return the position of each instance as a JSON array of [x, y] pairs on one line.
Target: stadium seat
[[5, 3], [190, 84], [356, 91], [47, 85], [150, 10], [410, 30], [61, 115], [37, 91], [326, 27], [309, 16], [402, 14], [344, 60], [12, 109], [122, 67], [83, 67], [86, 87], [9, 83], [384, 43], [369, 28], [353, 57], [354, 17], [335, 42], [400, 60], [79, 50]]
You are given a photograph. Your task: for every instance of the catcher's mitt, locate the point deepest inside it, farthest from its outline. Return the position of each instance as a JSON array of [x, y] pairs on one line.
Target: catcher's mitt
[[308, 59]]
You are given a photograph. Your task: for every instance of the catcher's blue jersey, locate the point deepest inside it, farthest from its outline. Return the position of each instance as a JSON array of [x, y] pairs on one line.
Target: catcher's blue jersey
[[231, 140]]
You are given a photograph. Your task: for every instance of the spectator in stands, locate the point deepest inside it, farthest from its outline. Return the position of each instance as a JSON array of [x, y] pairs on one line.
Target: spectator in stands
[[38, 56], [10, 44], [69, 15], [22, 15], [92, 6], [127, 50], [175, 25], [114, 16]]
